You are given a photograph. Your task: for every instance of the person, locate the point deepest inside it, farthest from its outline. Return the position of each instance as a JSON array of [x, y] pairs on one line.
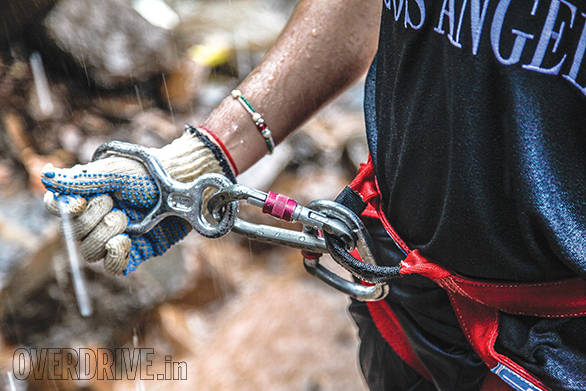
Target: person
[[475, 121]]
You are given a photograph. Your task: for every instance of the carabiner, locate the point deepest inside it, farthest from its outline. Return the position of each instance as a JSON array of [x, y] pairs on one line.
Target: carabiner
[[374, 292], [358, 291], [285, 208]]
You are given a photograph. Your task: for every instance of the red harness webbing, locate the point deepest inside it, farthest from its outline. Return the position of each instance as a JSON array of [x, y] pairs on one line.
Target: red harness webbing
[[475, 303]]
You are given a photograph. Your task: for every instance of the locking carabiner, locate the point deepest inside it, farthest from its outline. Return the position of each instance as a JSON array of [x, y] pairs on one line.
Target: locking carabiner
[[286, 209], [375, 291], [323, 221]]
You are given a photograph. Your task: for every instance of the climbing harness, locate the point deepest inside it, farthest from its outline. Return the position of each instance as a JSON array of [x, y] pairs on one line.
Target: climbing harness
[[477, 304], [336, 228]]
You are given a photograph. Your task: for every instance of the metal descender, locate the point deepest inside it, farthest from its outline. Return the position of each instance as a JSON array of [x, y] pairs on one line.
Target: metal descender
[[328, 227]]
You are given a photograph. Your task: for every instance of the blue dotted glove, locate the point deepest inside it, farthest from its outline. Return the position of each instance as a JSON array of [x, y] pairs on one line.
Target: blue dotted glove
[[103, 196]]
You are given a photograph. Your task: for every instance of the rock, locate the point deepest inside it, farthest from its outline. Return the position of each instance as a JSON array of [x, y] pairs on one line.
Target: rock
[[88, 147], [7, 174], [37, 288], [25, 228], [284, 330], [92, 123], [15, 78], [264, 172], [157, 12], [357, 150], [248, 24], [109, 40], [150, 128], [180, 88], [123, 107], [16, 15]]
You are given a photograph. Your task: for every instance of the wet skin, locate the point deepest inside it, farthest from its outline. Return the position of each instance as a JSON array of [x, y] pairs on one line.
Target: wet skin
[[325, 46]]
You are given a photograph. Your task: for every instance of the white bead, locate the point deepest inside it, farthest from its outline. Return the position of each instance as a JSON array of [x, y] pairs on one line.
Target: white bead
[[236, 94], [266, 133], [256, 117]]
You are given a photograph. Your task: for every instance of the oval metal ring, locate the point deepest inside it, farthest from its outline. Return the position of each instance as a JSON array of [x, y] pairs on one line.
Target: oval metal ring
[[202, 224], [358, 291]]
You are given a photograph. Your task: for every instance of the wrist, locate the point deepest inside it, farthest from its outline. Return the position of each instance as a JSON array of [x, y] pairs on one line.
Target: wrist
[[233, 125]]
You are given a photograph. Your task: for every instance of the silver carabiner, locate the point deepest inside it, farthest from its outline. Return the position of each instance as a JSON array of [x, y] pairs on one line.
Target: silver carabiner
[[184, 200], [282, 236], [303, 214], [358, 291], [321, 215]]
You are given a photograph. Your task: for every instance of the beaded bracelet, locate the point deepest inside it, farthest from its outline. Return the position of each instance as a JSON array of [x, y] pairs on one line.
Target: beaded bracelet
[[257, 118]]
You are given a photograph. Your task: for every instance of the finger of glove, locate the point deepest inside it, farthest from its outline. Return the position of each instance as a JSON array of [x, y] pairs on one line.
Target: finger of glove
[[68, 205], [95, 211], [92, 248], [124, 178], [117, 251]]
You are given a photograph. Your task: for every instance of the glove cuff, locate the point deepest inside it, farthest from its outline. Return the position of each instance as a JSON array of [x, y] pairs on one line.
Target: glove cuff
[[193, 154], [225, 161]]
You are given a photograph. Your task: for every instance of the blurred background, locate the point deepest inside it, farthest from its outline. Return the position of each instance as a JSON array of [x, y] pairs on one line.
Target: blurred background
[[242, 315]]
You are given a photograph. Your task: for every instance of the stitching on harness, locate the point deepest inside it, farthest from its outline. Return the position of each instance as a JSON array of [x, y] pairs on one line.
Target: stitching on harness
[[492, 340], [510, 285], [463, 323], [455, 289], [510, 364]]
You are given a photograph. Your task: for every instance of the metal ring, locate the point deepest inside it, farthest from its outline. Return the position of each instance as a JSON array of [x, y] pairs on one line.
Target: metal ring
[[226, 221], [361, 240], [358, 291]]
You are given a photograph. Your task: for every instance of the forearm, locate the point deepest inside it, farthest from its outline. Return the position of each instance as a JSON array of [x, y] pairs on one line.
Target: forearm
[[325, 46]]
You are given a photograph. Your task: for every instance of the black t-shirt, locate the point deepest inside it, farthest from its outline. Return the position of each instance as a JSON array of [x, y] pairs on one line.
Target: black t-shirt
[[476, 114], [476, 121]]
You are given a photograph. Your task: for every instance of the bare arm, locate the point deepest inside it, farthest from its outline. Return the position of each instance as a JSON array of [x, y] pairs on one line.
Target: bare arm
[[326, 45]]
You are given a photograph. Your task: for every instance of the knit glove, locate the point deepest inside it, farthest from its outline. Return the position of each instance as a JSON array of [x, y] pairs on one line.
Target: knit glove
[[103, 196]]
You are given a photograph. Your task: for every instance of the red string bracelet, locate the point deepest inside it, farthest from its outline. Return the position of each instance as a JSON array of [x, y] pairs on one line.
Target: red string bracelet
[[221, 144]]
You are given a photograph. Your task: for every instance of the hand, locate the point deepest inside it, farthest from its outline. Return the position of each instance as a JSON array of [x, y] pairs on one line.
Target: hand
[[103, 196]]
